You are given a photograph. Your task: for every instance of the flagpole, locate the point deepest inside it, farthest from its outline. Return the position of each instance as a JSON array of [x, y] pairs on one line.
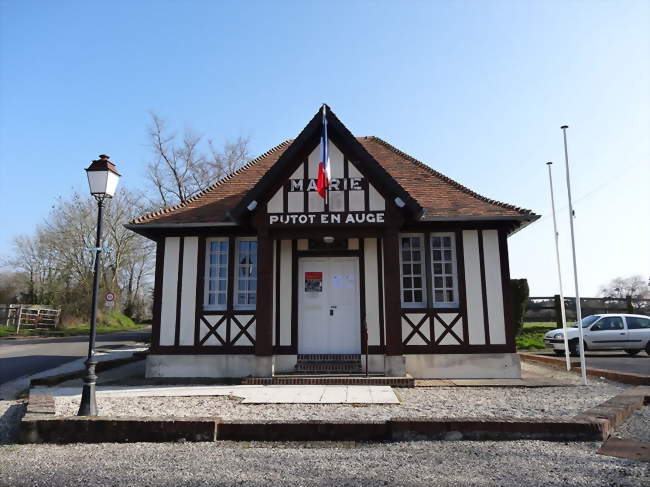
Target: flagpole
[[583, 367], [326, 141], [559, 271]]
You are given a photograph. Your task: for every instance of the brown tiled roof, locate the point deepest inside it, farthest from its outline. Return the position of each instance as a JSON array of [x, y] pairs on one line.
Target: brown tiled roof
[[438, 195], [212, 204]]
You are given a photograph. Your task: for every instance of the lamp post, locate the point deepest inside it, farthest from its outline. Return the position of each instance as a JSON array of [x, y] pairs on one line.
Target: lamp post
[[102, 179]]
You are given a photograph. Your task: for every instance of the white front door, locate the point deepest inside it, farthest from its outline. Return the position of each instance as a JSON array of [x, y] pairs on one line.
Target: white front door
[[328, 305]]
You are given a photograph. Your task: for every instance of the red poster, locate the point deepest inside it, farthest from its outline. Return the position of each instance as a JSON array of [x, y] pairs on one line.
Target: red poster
[[313, 282]]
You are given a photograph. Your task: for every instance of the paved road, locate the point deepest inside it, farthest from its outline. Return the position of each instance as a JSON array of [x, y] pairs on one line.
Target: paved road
[[614, 360], [26, 356]]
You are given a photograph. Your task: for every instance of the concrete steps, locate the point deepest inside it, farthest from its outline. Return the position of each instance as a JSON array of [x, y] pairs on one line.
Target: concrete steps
[[328, 364], [331, 380]]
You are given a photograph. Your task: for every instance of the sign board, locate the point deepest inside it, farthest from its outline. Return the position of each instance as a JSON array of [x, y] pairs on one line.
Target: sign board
[[313, 282], [109, 297], [357, 217]]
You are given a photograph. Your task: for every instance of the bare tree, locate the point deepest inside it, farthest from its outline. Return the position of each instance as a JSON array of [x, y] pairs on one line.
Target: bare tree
[[184, 165], [622, 287], [54, 266]]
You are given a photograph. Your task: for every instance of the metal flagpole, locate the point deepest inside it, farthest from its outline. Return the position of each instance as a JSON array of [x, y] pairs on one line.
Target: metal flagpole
[[583, 368], [326, 152], [559, 271]]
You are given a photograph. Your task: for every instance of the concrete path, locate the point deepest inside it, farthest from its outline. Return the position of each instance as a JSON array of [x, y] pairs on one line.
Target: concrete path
[[250, 394]]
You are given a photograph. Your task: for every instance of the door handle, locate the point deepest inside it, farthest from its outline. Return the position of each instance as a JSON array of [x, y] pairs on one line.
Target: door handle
[[622, 333]]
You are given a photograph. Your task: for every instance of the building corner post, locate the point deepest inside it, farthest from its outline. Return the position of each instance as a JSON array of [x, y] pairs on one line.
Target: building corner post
[[394, 362], [264, 308]]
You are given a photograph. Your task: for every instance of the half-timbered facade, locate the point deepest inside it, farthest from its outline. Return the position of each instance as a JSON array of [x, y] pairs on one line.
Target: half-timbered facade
[[400, 262]]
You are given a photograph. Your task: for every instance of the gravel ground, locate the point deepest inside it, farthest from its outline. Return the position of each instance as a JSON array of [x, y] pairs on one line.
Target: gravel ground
[[416, 402], [10, 414], [529, 463], [637, 426]]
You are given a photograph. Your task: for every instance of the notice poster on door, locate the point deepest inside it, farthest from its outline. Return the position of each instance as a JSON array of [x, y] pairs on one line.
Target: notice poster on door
[[343, 281], [313, 282]]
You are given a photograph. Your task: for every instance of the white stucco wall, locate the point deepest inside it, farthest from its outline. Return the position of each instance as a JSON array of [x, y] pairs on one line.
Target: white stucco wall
[[372, 290], [169, 291], [493, 288], [473, 291]]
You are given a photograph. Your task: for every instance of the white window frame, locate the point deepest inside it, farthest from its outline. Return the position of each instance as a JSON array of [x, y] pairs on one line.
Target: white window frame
[[423, 275], [235, 293], [206, 280], [454, 272]]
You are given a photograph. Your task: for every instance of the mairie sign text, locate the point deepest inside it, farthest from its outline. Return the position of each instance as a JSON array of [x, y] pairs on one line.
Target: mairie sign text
[[336, 184], [355, 218]]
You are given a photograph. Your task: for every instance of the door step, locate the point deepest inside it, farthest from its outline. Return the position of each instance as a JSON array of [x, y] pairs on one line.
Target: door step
[[326, 363]]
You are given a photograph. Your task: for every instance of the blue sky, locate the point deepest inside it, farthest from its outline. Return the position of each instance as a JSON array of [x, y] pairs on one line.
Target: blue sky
[[476, 89]]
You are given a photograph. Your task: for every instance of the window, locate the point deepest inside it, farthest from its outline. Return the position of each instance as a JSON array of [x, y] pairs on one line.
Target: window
[[412, 265], [637, 323], [216, 274], [587, 321], [608, 323], [246, 273], [443, 262]]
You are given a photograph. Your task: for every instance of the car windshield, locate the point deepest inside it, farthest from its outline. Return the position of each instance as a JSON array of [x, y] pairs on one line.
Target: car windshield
[[589, 320]]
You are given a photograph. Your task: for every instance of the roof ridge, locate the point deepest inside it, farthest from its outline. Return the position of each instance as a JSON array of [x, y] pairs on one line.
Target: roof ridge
[[213, 186], [447, 179]]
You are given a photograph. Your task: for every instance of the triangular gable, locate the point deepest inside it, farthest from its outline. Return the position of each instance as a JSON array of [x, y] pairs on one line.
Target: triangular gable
[[353, 198], [354, 170]]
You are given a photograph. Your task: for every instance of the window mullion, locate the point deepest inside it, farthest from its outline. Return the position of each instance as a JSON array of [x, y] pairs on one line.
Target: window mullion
[[428, 270]]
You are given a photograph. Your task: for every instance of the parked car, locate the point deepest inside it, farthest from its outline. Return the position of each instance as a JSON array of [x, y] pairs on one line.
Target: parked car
[[604, 332]]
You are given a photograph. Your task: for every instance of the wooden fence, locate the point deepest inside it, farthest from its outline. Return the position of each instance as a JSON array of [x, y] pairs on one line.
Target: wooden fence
[[31, 315], [547, 308]]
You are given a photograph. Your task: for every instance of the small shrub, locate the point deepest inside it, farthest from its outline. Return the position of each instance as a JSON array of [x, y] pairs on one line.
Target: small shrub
[[519, 290]]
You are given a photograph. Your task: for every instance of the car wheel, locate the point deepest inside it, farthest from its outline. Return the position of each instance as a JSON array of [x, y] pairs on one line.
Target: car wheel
[[559, 352], [574, 347], [647, 348], [630, 351]]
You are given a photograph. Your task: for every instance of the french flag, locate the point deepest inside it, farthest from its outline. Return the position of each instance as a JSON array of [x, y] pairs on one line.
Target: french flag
[[324, 165]]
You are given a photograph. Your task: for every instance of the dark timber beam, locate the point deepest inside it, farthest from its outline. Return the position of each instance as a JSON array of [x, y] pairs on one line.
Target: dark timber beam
[[264, 313], [392, 294]]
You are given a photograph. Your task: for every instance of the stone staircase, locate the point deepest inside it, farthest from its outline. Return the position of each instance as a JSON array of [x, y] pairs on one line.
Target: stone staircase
[[328, 364]]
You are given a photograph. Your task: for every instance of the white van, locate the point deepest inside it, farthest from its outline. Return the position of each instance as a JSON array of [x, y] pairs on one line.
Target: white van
[[604, 332]]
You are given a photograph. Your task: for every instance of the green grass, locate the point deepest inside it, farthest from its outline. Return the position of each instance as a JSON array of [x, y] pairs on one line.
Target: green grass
[[532, 336], [116, 322]]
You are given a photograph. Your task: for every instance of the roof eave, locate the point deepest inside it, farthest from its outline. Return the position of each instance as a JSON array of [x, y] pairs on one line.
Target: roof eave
[[522, 218], [149, 230], [519, 221]]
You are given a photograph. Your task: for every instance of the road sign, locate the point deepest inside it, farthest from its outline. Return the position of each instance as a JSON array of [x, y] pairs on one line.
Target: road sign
[[109, 296]]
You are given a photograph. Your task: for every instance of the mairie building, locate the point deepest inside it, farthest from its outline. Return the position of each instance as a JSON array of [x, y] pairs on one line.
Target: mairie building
[[259, 275]]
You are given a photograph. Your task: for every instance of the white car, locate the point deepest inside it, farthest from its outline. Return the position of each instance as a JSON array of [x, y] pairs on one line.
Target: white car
[[604, 332]]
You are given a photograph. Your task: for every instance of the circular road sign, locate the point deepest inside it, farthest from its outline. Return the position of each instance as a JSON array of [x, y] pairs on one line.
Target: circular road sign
[[109, 296]]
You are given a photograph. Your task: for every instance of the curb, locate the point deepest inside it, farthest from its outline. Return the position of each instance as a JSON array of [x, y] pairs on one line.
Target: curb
[[40, 425], [101, 366], [624, 377]]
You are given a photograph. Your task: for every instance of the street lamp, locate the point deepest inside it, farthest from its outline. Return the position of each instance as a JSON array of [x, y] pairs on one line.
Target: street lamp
[[102, 179]]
